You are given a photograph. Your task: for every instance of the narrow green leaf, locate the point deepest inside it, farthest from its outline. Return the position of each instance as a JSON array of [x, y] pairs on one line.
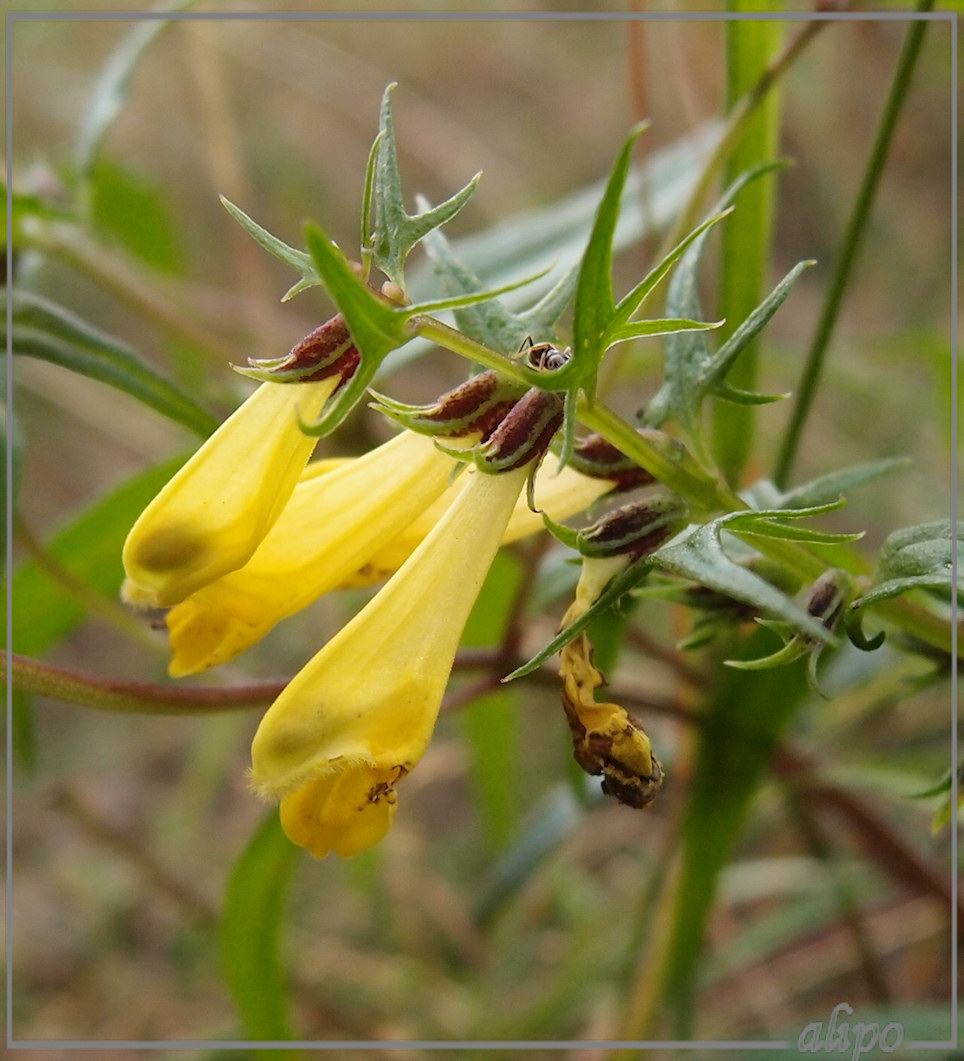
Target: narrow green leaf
[[594, 308], [739, 397], [47, 331], [251, 926], [727, 354], [657, 326], [632, 301], [838, 483]]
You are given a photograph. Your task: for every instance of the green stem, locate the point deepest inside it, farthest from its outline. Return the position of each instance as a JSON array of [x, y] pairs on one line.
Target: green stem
[[146, 698], [852, 236], [454, 340]]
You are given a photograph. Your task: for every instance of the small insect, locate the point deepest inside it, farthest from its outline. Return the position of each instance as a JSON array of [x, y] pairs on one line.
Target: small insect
[[545, 356]]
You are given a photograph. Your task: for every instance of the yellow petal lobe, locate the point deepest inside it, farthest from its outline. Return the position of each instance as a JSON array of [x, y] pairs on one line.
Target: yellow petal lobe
[[213, 513]]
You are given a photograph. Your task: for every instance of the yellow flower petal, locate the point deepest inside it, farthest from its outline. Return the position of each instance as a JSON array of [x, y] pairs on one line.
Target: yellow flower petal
[[558, 494], [370, 697], [346, 812], [329, 528], [211, 516]]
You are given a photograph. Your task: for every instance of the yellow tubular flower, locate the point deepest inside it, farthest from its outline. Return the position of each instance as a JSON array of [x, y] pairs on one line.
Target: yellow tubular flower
[[558, 494], [329, 528], [359, 716], [212, 515]]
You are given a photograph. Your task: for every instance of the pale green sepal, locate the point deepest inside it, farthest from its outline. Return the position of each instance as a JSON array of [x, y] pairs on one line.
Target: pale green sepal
[[395, 231]]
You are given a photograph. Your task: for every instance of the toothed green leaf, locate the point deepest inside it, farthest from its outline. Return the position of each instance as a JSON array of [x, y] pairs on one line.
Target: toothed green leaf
[[701, 557], [298, 260], [395, 231], [918, 557], [691, 371]]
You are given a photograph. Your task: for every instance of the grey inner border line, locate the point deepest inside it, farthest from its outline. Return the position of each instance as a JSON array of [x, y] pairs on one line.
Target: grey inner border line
[[484, 16], [470, 16]]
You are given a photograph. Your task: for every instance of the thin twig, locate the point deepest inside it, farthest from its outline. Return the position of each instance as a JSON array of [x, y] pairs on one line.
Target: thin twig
[[106, 694]]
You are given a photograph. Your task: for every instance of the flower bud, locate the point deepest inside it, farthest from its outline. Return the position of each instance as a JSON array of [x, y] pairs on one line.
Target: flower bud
[[324, 352], [524, 433], [597, 457], [476, 406], [828, 595], [637, 528]]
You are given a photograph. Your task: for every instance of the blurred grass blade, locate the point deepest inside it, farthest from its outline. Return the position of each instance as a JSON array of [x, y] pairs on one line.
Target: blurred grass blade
[[745, 716], [44, 610], [846, 256], [751, 44], [251, 926], [47, 331], [112, 88]]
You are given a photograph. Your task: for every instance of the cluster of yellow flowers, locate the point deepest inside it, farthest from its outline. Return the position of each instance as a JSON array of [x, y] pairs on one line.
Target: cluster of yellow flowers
[[250, 530]]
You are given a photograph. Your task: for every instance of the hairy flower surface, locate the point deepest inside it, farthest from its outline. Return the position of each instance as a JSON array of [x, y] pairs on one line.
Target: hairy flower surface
[[328, 530], [359, 716], [213, 514]]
